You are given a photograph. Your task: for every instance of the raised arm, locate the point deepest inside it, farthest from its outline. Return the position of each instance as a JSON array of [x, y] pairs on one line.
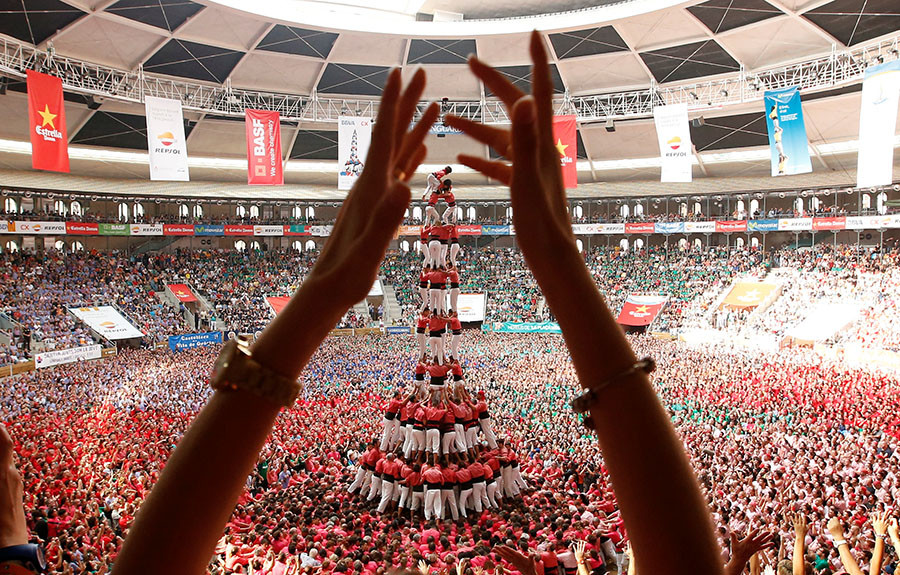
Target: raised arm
[[205, 475], [800, 530], [847, 560], [880, 525], [653, 479]]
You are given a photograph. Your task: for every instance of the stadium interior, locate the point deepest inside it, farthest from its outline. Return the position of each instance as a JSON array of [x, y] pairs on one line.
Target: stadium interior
[[178, 176]]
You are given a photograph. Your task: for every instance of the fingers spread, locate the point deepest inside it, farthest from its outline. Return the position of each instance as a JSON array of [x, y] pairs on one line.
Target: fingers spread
[[496, 138], [409, 99], [496, 82], [382, 146], [494, 170]]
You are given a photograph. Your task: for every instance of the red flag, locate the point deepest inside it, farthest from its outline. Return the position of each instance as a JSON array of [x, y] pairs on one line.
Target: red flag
[[182, 292], [264, 165], [566, 142], [47, 123], [640, 310]]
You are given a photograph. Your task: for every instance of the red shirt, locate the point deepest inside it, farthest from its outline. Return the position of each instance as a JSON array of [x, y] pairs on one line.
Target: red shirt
[[443, 232], [453, 276], [463, 475], [438, 371], [433, 475], [414, 478], [449, 477], [391, 468], [476, 470], [393, 406], [456, 369], [437, 278], [436, 324], [433, 416], [454, 233], [421, 322], [455, 324], [423, 235]]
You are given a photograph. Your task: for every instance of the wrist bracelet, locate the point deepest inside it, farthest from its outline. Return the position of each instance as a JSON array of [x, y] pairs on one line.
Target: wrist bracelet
[[582, 403], [839, 542]]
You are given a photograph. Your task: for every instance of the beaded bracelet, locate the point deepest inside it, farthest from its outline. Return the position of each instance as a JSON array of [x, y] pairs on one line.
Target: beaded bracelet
[[582, 403]]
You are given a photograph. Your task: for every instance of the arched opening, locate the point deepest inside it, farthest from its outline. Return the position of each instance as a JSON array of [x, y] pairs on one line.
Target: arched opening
[[814, 204], [240, 211], [509, 213], [624, 244], [754, 242], [75, 208], [472, 214], [12, 246], [123, 212], [740, 209], [254, 245], [417, 214], [183, 211], [881, 203], [866, 202], [580, 245], [11, 206], [683, 243], [297, 246], [798, 206], [638, 211], [137, 210], [416, 246], [77, 246], [698, 209], [310, 212], [198, 211], [459, 213], [754, 208], [578, 212], [625, 211], [297, 212], [59, 207], [59, 246], [698, 244], [683, 209], [638, 244], [310, 245], [254, 211], [739, 243], [404, 246], [240, 245]]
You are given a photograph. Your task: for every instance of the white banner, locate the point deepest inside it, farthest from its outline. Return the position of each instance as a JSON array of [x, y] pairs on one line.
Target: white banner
[[320, 231], [376, 289], [354, 136], [877, 120], [675, 149], [268, 230], [146, 229], [471, 306], [61, 356], [612, 229], [699, 227], [165, 139], [43, 228], [795, 225], [106, 321], [586, 229]]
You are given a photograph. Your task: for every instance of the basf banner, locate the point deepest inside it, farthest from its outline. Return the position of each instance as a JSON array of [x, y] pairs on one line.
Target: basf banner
[[71, 355], [675, 148], [471, 306], [354, 136], [640, 310], [106, 321], [787, 132], [165, 140], [264, 166], [877, 120], [192, 340]]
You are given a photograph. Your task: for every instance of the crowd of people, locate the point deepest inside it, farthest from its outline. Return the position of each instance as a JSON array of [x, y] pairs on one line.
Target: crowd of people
[[769, 434]]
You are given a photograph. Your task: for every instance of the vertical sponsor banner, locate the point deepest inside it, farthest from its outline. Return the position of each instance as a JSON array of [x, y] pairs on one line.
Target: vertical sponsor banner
[[165, 139], [264, 165], [354, 136], [564, 133], [47, 123], [675, 148], [877, 120], [787, 132]]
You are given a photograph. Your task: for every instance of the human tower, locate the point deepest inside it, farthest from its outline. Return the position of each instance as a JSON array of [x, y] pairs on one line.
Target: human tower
[[438, 454]]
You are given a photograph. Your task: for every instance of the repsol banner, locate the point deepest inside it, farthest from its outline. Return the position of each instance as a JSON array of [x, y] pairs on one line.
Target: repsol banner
[[192, 340]]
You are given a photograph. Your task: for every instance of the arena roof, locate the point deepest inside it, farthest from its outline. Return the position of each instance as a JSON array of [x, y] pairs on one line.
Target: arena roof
[[632, 45]]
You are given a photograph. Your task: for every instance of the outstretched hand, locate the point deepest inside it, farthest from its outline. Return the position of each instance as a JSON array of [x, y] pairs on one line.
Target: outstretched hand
[[13, 530], [799, 523], [743, 549], [524, 564]]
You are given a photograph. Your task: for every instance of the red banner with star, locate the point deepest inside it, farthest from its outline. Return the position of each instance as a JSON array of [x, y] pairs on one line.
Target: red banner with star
[[640, 310], [47, 123], [566, 141], [264, 165], [182, 292]]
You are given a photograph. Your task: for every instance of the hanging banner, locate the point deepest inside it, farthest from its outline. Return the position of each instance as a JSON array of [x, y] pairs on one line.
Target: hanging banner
[[787, 132], [747, 294], [178, 230], [762, 225], [113, 229], [82, 229], [238, 230], [70, 355], [182, 292], [731, 226], [41, 228], [470, 306], [107, 321], [192, 340], [165, 140], [877, 120], [567, 145], [639, 310], [264, 165], [47, 123], [209, 230], [296, 230], [699, 227], [675, 149], [354, 136], [146, 230], [640, 228], [268, 230], [669, 227], [277, 303]]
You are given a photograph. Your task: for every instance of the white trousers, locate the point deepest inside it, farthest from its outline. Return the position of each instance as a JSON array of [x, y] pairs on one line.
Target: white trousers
[[418, 497], [448, 500], [433, 507], [433, 441], [434, 252], [492, 494], [479, 496], [390, 428], [387, 493], [437, 348], [375, 488], [404, 496], [454, 297], [448, 443], [423, 341], [454, 345], [487, 428], [460, 438], [359, 482], [454, 252], [463, 502]]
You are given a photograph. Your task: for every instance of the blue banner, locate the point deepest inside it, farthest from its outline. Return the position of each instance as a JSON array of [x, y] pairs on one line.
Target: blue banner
[[487, 230], [396, 329], [209, 230], [192, 340], [522, 327], [762, 226], [669, 227], [787, 132]]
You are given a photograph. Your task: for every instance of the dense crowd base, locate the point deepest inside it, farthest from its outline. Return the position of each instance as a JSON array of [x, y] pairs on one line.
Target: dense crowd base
[[768, 434]]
